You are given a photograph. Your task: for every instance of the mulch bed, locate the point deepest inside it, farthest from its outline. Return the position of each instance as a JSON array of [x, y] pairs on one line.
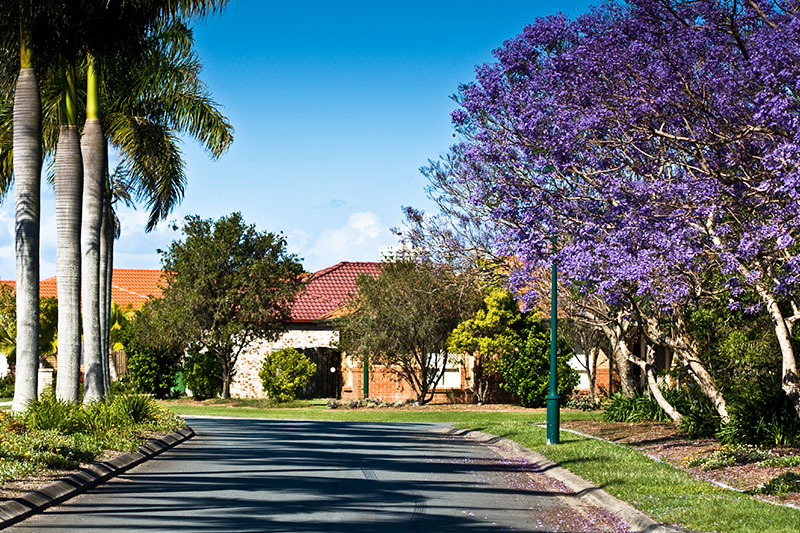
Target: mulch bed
[[662, 442]]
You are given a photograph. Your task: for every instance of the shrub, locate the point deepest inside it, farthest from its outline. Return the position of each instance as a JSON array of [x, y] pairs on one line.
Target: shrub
[[581, 403], [526, 372], [7, 386], [284, 372], [152, 362], [48, 412], [700, 419], [201, 371], [730, 456], [641, 408], [137, 408], [761, 416], [785, 483]]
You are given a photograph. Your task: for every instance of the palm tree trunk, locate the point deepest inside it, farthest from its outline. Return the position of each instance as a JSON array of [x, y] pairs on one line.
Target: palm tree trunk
[[93, 146], [69, 188], [27, 146], [105, 326]]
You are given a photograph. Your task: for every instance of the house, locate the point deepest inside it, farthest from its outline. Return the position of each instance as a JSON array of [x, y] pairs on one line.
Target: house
[[312, 331], [130, 288]]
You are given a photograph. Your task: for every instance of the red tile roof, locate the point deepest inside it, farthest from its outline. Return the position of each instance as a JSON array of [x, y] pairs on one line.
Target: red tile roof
[[129, 287], [329, 289]]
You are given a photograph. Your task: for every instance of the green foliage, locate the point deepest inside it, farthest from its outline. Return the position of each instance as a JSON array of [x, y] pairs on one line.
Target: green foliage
[[786, 483], [227, 284], [619, 408], [284, 372], [48, 325], [201, 374], [488, 336], [51, 413], [7, 386], [761, 415], [582, 403], [730, 456], [402, 319], [526, 372], [55, 434], [153, 357], [700, 419]]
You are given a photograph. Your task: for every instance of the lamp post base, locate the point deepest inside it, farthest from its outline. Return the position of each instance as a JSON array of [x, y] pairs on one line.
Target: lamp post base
[[553, 419]]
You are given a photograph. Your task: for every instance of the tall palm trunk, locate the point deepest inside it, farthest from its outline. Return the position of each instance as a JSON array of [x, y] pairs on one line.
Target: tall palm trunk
[[93, 146], [103, 283], [69, 188], [27, 174]]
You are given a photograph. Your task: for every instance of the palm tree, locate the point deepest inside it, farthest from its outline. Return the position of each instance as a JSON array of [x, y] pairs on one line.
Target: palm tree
[[68, 189], [27, 146]]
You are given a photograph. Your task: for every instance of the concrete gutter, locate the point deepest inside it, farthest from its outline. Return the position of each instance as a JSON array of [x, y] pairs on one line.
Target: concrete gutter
[[582, 489], [20, 508]]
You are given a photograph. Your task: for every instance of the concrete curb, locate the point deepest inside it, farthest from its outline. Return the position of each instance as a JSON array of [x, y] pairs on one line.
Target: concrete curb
[[585, 491], [18, 509]]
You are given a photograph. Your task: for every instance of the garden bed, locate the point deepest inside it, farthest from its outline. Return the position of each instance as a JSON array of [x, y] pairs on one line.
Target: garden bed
[[662, 442]]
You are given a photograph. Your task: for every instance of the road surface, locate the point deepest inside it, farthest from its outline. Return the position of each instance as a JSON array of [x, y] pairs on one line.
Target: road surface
[[287, 475]]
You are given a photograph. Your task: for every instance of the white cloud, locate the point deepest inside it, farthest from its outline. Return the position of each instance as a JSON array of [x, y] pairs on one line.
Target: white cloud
[[357, 240]]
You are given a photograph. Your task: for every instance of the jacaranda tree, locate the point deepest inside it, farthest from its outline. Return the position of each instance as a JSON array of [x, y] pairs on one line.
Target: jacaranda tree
[[658, 141]]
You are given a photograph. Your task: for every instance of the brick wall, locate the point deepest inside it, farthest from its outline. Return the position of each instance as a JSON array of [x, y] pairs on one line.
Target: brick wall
[[247, 384]]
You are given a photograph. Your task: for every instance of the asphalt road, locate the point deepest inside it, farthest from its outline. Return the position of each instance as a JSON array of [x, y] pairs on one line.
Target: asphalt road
[[279, 475]]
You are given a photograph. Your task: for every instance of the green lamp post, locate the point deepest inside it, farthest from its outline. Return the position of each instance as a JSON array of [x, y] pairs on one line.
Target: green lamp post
[[553, 414], [366, 377]]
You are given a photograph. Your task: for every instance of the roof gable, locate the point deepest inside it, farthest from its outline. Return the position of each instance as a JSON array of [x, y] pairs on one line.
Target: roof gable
[[329, 289]]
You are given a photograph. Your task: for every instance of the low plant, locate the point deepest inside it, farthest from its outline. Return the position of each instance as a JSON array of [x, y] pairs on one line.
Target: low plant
[[582, 403], [619, 408], [762, 416], [284, 372], [786, 483], [700, 419], [782, 461], [730, 456]]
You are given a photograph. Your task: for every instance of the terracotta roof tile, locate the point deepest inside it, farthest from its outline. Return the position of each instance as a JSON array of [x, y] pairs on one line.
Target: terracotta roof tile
[[129, 287], [329, 289]]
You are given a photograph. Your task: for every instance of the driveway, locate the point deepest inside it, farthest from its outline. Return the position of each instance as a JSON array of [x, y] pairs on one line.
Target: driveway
[[287, 475]]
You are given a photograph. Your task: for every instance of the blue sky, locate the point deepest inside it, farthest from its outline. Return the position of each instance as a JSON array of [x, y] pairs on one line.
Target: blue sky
[[336, 106]]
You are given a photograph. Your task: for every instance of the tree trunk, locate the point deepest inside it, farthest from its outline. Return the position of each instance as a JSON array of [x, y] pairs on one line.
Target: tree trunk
[[27, 147], [789, 377], [93, 147], [103, 293], [69, 188], [687, 352], [652, 386]]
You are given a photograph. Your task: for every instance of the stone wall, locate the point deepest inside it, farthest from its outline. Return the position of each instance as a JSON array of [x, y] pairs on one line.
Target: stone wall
[[247, 384]]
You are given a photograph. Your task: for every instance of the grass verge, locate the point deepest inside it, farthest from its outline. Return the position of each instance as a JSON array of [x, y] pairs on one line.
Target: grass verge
[[667, 494]]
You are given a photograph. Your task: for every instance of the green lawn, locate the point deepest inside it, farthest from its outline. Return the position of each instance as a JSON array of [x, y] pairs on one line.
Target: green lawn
[[660, 490]]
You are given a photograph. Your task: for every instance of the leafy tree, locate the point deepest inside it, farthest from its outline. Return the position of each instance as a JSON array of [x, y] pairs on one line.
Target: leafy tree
[[48, 326], [402, 320], [227, 286], [153, 353], [284, 372], [526, 372], [487, 337], [201, 374]]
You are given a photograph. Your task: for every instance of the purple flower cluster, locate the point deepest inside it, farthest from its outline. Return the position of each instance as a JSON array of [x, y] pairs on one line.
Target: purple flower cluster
[[656, 139]]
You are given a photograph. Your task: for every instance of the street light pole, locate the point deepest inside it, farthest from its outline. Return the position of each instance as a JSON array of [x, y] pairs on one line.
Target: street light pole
[[553, 415], [366, 377]]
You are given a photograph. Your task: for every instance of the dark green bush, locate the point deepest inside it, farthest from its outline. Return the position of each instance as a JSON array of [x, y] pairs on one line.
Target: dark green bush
[[761, 415], [153, 362], [201, 372], [526, 373], [7, 386], [640, 408], [700, 419], [50, 413], [284, 372], [786, 483]]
